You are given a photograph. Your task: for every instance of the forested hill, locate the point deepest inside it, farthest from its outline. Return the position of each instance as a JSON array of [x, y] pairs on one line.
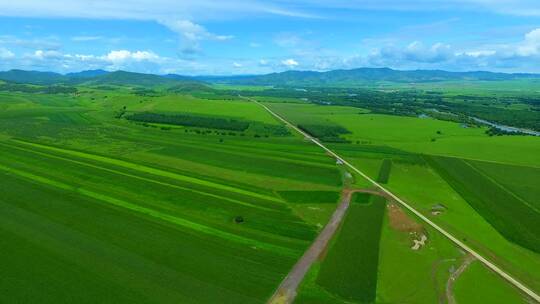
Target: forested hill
[[336, 78], [95, 77], [363, 76]]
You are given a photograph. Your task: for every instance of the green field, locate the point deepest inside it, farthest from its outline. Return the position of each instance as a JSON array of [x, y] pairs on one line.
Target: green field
[[128, 213], [512, 216], [350, 267], [190, 194], [509, 162]]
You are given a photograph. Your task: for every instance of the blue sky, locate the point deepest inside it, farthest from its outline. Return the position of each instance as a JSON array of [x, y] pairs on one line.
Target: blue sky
[[207, 37]]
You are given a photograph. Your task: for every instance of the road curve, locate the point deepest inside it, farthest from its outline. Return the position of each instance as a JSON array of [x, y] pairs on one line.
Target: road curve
[[286, 292], [531, 293]]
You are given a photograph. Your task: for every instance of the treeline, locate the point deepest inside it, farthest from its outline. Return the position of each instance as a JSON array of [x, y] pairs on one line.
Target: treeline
[[264, 128], [190, 121], [24, 88], [410, 102], [492, 131], [327, 133]]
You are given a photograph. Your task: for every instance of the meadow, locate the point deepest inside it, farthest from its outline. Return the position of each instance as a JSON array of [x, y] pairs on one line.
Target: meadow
[[203, 197], [507, 164], [511, 215], [128, 213], [349, 269]]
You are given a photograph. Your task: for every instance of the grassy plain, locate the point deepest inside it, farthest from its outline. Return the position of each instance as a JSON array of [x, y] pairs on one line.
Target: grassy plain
[[375, 137], [126, 212], [122, 212]]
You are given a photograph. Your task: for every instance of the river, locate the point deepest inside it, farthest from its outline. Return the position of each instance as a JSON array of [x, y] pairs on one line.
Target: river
[[506, 128]]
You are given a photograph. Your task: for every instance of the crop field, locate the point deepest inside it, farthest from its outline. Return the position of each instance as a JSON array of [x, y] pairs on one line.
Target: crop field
[[121, 212], [384, 173], [350, 268], [510, 162], [145, 196], [494, 290], [512, 216], [416, 135], [309, 197]]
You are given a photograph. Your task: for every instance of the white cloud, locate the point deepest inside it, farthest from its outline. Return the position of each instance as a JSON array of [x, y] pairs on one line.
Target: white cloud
[[416, 51], [479, 53], [237, 65], [531, 44], [123, 55], [6, 54], [191, 34], [41, 54], [254, 45], [291, 63]]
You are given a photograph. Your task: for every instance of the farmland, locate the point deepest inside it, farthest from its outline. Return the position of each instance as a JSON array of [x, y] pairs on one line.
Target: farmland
[[375, 139], [353, 251], [192, 194], [106, 198]]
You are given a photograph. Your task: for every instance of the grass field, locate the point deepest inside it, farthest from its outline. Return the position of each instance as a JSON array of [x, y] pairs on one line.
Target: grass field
[[493, 290], [509, 161], [417, 135], [309, 197], [126, 212], [349, 269], [512, 216]]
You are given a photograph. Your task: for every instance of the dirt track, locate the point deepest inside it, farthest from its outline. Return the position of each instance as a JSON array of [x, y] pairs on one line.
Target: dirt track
[[453, 277], [286, 292]]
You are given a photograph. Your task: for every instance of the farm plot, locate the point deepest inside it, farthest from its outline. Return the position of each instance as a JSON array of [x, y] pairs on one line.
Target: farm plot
[[350, 268], [84, 250], [516, 219], [182, 223], [310, 197]]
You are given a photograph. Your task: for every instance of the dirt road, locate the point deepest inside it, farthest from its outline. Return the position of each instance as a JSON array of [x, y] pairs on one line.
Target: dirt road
[[468, 259], [531, 293], [286, 291]]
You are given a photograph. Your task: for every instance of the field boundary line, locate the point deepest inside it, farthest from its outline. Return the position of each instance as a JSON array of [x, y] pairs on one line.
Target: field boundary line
[[147, 169], [187, 224], [496, 183], [146, 179], [531, 293]]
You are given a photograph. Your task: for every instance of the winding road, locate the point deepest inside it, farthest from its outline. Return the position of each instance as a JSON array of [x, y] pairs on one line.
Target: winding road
[[531, 293]]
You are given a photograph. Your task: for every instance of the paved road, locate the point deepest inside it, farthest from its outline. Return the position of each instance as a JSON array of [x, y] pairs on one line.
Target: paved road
[[286, 292], [531, 293]]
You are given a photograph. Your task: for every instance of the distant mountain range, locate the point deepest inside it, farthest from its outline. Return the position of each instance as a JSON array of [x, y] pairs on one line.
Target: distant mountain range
[[363, 76], [94, 77], [354, 77]]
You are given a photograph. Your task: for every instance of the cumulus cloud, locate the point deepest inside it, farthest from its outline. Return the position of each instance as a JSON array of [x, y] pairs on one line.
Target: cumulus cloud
[[510, 57], [46, 54], [123, 55], [192, 34], [290, 63], [6, 54], [531, 44]]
